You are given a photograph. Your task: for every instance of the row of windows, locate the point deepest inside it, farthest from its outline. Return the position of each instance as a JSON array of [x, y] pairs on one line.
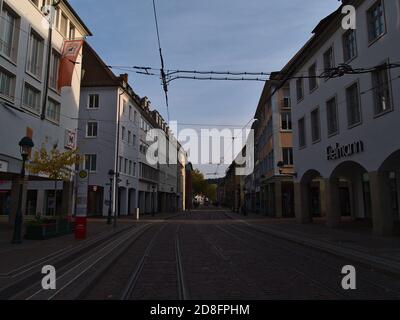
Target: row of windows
[[382, 104], [127, 166], [376, 28], [31, 97], [93, 102], [149, 173], [92, 131], [128, 136], [9, 27], [61, 22]]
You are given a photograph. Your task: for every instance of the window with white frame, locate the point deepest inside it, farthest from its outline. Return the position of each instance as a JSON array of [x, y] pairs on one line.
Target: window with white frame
[[287, 156], [381, 91], [123, 132], [8, 32], [120, 160], [130, 168], [91, 162], [7, 84], [129, 137], [353, 105], [94, 101], [72, 31], [300, 89], [64, 25], [332, 116], [286, 120], [329, 62], [57, 19], [92, 129], [302, 132], [54, 69], [312, 74], [35, 54], [126, 166], [124, 107], [349, 45], [53, 110], [376, 21], [315, 126], [31, 98]]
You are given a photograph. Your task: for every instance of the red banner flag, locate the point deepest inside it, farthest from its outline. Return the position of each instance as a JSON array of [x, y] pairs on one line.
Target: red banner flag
[[70, 54]]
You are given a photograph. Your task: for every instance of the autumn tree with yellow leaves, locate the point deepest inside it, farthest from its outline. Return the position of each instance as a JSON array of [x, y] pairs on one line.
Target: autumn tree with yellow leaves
[[56, 165]]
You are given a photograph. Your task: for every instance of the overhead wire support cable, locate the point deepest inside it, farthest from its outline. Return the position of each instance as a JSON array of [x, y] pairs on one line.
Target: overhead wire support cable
[[162, 70]]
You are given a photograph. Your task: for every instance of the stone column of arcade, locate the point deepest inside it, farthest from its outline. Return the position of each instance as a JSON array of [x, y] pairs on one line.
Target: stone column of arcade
[[332, 202], [301, 199], [382, 214]]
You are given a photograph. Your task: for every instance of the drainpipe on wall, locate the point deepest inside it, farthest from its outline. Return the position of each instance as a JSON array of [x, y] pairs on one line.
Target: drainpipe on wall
[[48, 61]]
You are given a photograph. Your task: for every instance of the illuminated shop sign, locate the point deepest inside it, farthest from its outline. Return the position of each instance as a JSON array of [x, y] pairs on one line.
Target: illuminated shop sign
[[338, 152]]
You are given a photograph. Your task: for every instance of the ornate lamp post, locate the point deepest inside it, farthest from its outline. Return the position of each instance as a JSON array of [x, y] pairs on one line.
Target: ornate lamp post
[[26, 145], [109, 217]]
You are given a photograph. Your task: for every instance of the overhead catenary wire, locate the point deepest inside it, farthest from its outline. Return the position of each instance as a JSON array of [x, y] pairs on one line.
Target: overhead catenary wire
[[168, 75]]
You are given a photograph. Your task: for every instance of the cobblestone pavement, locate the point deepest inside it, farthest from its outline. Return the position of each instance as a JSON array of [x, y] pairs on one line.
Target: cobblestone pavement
[[206, 254]]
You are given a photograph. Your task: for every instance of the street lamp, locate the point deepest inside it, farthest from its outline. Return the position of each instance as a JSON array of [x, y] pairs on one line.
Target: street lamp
[[26, 145], [111, 174]]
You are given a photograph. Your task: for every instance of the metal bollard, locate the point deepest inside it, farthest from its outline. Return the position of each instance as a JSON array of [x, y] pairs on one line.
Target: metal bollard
[[137, 213]]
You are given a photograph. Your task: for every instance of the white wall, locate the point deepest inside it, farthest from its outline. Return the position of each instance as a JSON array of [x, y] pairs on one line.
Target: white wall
[[379, 134], [104, 144], [14, 122]]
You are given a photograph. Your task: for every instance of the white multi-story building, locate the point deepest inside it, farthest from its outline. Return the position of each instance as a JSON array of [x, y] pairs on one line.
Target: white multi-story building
[[168, 172], [108, 137], [148, 172], [346, 128], [39, 95]]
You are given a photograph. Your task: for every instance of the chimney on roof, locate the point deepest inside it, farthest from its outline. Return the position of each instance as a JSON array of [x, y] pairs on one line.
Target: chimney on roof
[[124, 77], [145, 103]]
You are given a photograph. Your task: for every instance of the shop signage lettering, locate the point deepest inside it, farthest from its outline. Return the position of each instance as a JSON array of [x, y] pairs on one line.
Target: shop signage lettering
[[338, 152]]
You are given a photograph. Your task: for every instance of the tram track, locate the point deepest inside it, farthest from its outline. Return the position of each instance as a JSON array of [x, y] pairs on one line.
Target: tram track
[[30, 274], [181, 293]]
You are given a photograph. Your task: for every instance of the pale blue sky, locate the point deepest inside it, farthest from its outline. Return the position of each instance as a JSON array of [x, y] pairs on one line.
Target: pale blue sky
[[234, 35]]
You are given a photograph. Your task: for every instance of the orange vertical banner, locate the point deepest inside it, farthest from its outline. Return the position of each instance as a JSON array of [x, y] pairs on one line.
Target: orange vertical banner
[[71, 49]]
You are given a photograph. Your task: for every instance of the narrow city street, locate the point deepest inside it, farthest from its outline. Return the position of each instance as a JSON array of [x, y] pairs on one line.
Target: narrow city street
[[201, 255]]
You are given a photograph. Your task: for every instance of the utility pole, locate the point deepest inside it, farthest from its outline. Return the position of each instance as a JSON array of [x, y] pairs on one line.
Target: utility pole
[[116, 169]]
